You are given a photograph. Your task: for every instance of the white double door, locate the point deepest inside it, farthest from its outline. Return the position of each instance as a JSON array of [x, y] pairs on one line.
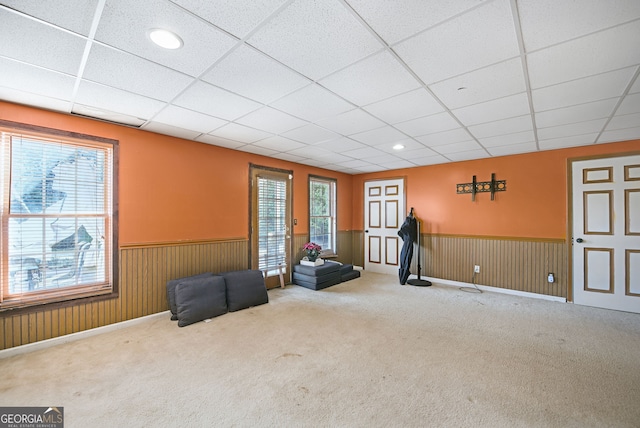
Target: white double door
[[606, 233], [384, 212]]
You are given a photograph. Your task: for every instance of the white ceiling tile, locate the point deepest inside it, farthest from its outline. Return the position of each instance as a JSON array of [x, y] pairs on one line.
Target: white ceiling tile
[[354, 164], [508, 139], [251, 148], [105, 97], [288, 157], [110, 116], [279, 144], [397, 164], [342, 144], [447, 137], [174, 131], [501, 127], [254, 75], [312, 103], [27, 98], [620, 135], [271, 120], [219, 141], [470, 155], [375, 78], [575, 59], [310, 152], [230, 16], [460, 45], [396, 20], [320, 29], [573, 141], [404, 107], [428, 124], [547, 22], [464, 146], [333, 158], [577, 113], [125, 25], [430, 160], [624, 121], [592, 88], [24, 77], [513, 149], [386, 134], [416, 153], [408, 144], [188, 119], [489, 83], [311, 134], [244, 134], [363, 169], [69, 14], [364, 153], [314, 162], [351, 122], [630, 104], [214, 101], [134, 74], [571, 129], [28, 41], [383, 159], [503, 108]]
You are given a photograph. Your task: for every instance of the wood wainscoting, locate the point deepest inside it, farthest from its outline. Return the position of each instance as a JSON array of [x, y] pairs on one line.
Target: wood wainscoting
[[513, 263], [144, 272]]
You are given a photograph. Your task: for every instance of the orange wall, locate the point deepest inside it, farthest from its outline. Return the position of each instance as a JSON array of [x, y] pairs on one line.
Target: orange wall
[[534, 205], [178, 190]]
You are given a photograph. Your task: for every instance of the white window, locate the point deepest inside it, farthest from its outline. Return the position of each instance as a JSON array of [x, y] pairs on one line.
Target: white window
[[57, 216], [322, 212]]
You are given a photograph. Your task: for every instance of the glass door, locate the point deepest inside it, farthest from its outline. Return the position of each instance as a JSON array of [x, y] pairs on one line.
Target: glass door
[[271, 223]]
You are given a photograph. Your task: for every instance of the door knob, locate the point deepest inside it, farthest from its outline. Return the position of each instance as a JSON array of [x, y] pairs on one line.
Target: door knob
[[366, 231], [579, 240]]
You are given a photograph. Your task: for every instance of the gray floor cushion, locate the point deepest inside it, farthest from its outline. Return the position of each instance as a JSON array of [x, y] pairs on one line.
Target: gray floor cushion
[[199, 299], [245, 288], [171, 292], [313, 285], [324, 269]]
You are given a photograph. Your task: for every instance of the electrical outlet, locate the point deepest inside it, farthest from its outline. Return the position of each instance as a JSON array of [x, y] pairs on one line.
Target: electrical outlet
[[551, 278], [476, 269]]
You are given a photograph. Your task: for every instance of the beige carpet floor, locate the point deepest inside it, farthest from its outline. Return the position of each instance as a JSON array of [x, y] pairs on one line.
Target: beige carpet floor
[[365, 353]]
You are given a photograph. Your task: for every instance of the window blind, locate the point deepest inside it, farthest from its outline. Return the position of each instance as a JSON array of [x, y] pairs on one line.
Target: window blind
[[56, 219], [272, 232]]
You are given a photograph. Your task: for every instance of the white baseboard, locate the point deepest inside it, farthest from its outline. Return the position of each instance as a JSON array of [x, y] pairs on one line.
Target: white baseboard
[[30, 347], [494, 289]]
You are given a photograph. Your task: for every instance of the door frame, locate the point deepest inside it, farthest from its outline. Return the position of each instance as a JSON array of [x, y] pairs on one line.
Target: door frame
[[402, 209], [272, 281], [569, 240]]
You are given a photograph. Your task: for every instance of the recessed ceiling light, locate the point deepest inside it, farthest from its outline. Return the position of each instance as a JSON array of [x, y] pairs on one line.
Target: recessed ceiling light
[[165, 39], [398, 147]]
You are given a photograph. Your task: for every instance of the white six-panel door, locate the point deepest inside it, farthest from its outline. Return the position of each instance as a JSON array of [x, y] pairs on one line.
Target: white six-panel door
[[606, 233], [384, 207]]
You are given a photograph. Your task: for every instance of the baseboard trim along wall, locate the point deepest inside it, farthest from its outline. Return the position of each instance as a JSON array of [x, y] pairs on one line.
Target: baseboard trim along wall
[[491, 289], [72, 337]]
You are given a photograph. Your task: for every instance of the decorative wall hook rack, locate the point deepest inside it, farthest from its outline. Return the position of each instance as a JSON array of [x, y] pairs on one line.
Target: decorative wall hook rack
[[474, 187]]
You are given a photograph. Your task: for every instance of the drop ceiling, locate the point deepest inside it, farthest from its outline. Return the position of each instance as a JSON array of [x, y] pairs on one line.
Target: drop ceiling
[[337, 83]]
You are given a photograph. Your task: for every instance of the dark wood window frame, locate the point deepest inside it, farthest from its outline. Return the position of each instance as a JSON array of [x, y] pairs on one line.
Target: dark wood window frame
[[80, 299]]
